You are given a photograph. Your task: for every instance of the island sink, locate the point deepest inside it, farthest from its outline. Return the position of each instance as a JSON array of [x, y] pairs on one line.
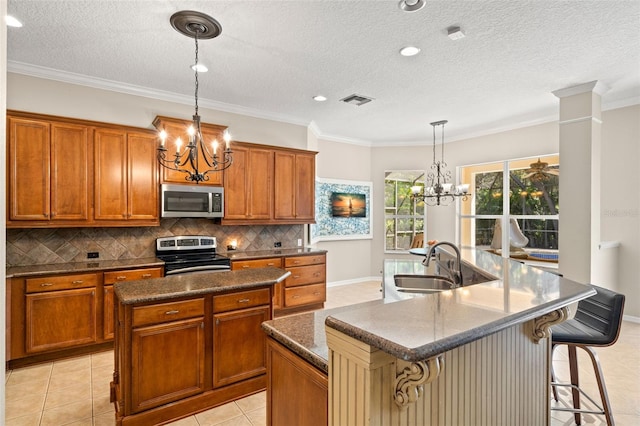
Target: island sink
[[416, 283]]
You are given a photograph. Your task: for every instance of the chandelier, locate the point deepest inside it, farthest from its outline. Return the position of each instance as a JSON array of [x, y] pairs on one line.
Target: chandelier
[[438, 189], [197, 26]]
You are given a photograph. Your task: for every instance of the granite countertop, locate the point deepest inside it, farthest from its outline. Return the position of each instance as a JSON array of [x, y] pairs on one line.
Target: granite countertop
[[422, 325], [90, 265], [261, 254], [176, 286], [304, 334]]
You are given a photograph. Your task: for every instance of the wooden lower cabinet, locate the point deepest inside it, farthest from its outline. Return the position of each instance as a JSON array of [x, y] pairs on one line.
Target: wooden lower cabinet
[[297, 392], [276, 262], [177, 357], [169, 363]]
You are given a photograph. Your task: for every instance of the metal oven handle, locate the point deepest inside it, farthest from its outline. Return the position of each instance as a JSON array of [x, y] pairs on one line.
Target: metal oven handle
[[204, 268]]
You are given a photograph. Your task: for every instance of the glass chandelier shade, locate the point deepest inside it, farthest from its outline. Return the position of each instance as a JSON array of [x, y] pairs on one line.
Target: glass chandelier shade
[[438, 189]]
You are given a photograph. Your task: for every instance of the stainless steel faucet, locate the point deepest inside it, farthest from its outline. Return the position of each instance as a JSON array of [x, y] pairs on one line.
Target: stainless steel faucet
[[457, 276]]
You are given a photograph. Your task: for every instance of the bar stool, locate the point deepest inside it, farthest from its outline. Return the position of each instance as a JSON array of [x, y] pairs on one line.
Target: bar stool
[[596, 324]]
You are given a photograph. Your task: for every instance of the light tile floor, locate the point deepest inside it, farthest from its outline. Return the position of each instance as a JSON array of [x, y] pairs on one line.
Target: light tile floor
[[76, 391]]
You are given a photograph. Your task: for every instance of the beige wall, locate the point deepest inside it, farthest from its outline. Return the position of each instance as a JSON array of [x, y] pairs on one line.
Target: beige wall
[[347, 260]]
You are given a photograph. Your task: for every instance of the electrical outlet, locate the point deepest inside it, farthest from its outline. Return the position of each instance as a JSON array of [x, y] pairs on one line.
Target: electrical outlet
[[299, 242], [93, 255], [277, 244]]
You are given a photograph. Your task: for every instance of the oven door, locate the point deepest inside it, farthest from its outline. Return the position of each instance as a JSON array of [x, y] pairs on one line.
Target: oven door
[[200, 269]]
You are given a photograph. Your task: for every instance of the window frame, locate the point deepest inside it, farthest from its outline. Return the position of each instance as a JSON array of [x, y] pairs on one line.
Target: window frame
[[396, 217]]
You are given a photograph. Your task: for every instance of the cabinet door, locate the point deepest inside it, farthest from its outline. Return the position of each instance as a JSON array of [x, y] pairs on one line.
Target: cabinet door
[[239, 345], [168, 363], [294, 187], [143, 187], [60, 319], [29, 169], [248, 184], [70, 180], [110, 171]]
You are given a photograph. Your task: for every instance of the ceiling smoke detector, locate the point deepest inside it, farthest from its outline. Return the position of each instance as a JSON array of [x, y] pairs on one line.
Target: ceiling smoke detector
[[356, 100], [455, 33]]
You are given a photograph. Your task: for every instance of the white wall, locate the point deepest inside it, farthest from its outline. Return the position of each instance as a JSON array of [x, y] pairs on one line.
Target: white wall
[[44, 96], [347, 260]]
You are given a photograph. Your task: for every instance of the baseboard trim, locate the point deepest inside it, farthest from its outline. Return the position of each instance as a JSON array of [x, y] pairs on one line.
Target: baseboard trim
[[353, 281], [631, 319]]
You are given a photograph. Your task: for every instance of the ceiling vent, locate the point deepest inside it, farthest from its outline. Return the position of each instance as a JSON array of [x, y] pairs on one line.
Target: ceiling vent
[[356, 100]]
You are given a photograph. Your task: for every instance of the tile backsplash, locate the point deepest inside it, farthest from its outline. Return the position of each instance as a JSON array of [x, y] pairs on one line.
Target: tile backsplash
[[62, 245]]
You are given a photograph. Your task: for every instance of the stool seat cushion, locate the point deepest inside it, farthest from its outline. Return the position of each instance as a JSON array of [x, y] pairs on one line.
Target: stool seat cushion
[[596, 322]]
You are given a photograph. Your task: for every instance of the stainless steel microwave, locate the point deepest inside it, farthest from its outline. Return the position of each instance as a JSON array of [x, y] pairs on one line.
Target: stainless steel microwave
[[192, 201]]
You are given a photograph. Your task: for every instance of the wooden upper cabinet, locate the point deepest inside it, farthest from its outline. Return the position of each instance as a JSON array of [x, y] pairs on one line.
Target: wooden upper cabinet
[[29, 169], [249, 182], [48, 170], [110, 174], [294, 186], [125, 175], [177, 128]]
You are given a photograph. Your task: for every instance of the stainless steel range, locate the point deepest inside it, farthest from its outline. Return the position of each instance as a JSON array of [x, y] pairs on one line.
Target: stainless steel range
[[190, 254]]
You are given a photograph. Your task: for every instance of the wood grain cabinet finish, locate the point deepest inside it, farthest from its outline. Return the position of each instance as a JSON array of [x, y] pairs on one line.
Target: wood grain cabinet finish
[[275, 262], [169, 362], [295, 187], [307, 283], [177, 128], [180, 356], [126, 176], [48, 171], [297, 393], [249, 184], [60, 312], [64, 172], [112, 277]]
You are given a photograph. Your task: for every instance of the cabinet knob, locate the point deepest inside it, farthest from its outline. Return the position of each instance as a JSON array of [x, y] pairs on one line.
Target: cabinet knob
[[77, 282], [171, 312]]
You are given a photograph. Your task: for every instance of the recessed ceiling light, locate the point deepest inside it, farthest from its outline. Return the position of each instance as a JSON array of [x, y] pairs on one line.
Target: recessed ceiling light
[[411, 5], [455, 33], [200, 68], [12, 22], [409, 51], [319, 98]]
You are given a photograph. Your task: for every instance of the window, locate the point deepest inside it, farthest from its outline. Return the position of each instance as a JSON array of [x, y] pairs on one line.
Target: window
[[531, 205], [403, 216]]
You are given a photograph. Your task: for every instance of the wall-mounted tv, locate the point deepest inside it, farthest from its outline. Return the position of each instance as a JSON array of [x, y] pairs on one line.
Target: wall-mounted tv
[[348, 205]]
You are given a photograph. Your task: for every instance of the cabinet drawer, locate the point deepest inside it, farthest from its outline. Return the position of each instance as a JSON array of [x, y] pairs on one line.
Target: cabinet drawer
[[305, 275], [256, 263], [165, 312], [131, 274], [60, 282], [304, 295], [304, 260], [240, 300]]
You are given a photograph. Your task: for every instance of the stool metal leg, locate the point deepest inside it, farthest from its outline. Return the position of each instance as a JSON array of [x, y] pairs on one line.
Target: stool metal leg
[[573, 370], [604, 396]]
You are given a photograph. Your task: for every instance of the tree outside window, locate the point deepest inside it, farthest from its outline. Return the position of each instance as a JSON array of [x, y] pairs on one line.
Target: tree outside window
[[404, 216]]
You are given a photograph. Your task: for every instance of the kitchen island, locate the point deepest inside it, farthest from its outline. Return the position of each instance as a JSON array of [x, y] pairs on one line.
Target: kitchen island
[[187, 343], [478, 354]]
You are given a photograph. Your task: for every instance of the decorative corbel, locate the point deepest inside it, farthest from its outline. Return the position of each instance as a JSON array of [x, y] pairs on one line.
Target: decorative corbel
[[542, 325], [409, 385]]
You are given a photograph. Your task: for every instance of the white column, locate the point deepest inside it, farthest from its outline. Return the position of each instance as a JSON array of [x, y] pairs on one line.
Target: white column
[[580, 148]]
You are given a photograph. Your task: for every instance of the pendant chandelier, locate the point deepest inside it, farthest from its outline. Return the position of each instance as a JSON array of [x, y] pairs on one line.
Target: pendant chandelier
[[438, 189], [197, 26]]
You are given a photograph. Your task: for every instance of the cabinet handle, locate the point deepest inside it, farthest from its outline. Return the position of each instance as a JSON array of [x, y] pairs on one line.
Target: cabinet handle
[[171, 312], [121, 277], [46, 285], [246, 266], [270, 264], [317, 274], [244, 300], [146, 275], [317, 293], [296, 276], [77, 282], [296, 296], [296, 261]]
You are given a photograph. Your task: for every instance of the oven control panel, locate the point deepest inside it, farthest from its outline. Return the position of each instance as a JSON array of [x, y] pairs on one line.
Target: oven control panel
[[189, 242]]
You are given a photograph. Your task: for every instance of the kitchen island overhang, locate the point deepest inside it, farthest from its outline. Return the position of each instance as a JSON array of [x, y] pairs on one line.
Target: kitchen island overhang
[[473, 354]]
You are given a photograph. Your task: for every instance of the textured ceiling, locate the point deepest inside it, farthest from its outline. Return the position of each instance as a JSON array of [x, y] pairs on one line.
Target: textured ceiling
[[274, 56]]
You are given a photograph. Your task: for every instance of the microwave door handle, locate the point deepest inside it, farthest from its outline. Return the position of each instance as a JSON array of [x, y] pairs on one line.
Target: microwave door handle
[[210, 196]]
